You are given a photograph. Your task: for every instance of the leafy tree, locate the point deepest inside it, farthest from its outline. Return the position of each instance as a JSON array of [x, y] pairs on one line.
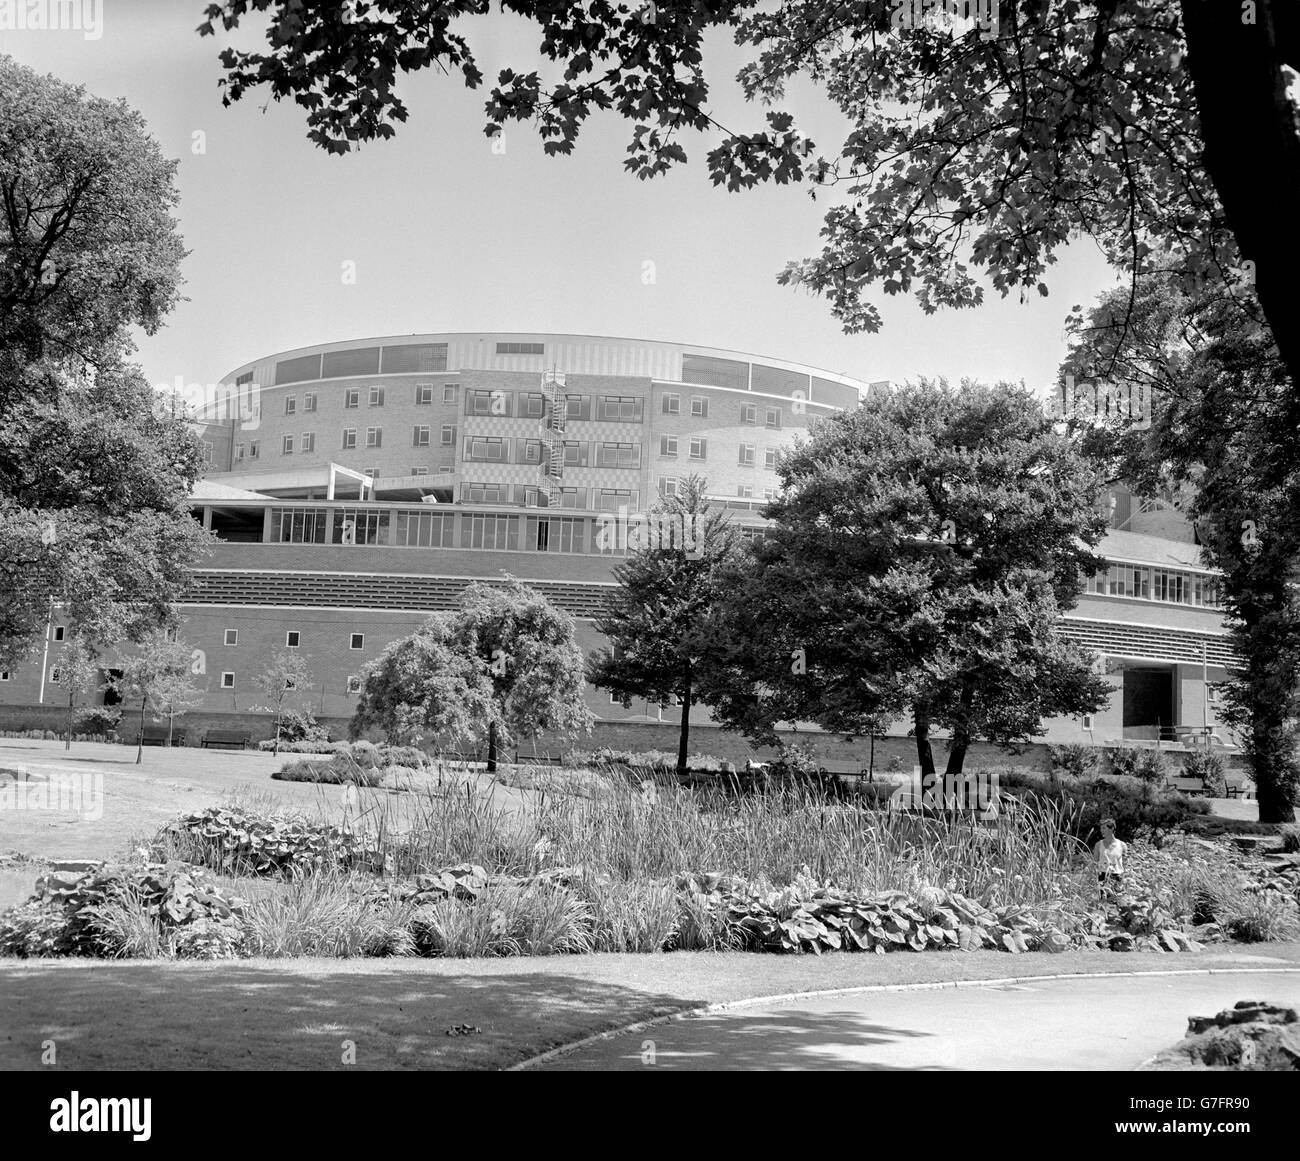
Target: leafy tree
[[287, 673], [1220, 394], [922, 550], [78, 668], [1162, 129], [668, 590], [422, 685], [504, 664], [157, 675], [93, 474]]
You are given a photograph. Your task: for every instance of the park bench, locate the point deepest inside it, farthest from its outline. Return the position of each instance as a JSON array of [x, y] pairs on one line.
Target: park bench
[[157, 736], [1189, 786], [230, 739], [1235, 786], [844, 769]]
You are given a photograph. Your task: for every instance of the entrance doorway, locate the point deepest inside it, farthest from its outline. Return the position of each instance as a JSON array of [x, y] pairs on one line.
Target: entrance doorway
[[1148, 702]]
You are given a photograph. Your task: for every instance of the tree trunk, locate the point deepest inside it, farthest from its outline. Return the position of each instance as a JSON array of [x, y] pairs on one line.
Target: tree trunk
[[924, 752], [1252, 152], [139, 742], [1276, 771], [67, 745], [684, 733], [171, 721], [278, 714], [492, 748]]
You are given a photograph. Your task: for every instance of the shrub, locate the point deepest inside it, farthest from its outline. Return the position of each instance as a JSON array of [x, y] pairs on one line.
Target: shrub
[[1209, 767], [1290, 833], [97, 720], [1261, 917], [1138, 762], [528, 919], [267, 745], [631, 916], [1074, 760], [301, 726], [1083, 803], [339, 769], [326, 915]]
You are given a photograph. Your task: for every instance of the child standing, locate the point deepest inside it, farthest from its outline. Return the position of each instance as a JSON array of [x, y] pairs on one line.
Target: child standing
[[1109, 853]]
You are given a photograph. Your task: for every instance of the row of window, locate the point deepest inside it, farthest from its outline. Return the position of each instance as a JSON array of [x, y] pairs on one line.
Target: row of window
[[674, 485], [672, 405], [417, 529], [375, 395], [293, 639], [1172, 586]]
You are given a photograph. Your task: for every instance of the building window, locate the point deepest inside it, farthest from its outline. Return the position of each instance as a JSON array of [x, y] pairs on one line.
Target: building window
[[482, 403], [746, 455], [611, 499], [425, 529], [748, 413], [420, 435], [489, 448], [205, 451], [615, 699], [239, 452], [232, 636], [349, 438], [227, 680], [624, 407], [4, 675], [561, 534], [769, 459], [1087, 721], [299, 525], [308, 441], [534, 406], [772, 417], [745, 491], [290, 404], [699, 447], [358, 641], [356, 526], [672, 403], [486, 493], [480, 530], [254, 449], [619, 455], [376, 396], [449, 392], [668, 486], [309, 401], [423, 394], [352, 397], [700, 407], [448, 435], [286, 445], [419, 471], [575, 454], [577, 407], [290, 683], [59, 632], [530, 451], [354, 683], [374, 437], [292, 639], [56, 675], [521, 348], [667, 445]]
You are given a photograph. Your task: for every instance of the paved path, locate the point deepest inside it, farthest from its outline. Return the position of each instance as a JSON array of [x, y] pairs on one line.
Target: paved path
[[1091, 1024]]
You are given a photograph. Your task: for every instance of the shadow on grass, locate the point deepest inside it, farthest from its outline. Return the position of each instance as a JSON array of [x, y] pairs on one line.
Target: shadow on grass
[[763, 1042], [275, 1015]]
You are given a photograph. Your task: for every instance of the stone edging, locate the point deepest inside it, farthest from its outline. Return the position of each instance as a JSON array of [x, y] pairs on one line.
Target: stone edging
[[783, 997]]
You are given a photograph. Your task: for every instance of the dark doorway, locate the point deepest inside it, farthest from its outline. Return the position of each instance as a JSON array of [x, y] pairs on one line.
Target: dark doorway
[[1148, 701], [111, 696]]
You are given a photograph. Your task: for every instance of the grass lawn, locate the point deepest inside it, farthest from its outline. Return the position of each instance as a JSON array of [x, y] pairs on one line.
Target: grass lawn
[[295, 1014]]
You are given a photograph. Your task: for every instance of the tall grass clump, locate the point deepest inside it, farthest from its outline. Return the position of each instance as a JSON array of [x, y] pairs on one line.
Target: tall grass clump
[[326, 914], [531, 919]]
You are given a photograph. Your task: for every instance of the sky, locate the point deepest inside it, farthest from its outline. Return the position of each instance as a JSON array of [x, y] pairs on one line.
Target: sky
[[447, 234]]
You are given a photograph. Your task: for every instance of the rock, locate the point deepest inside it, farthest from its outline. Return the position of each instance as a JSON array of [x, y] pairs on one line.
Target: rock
[[1243, 1012], [77, 866]]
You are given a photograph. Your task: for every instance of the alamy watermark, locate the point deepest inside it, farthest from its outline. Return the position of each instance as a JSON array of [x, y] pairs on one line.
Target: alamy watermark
[[84, 16], [946, 14], [624, 531], [1102, 401], [971, 790], [78, 791]]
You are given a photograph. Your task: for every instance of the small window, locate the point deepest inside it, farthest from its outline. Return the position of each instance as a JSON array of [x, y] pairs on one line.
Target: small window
[[746, 455], [614, 699], [521, 348], [254, 449], [286, 446], [448, 435], [308, 441], [290, 683], [232, 636], [423, 393], [534, 406], [770, 459], [668, 486], [290, 404], [672, 404], [667, 445], [1087, 721], [420, 435], [449, 392], [420, 471], [354, 683], [358, 640], [745, 491], [4, 675], [239, 452], [376, 397], [56, 675], [749, 413], [352, 397], [700, 408], [292, 639], [227, 680], [772, 417], [374, 437], [309, 401], [699, 448], [59, 632], [349, 438]]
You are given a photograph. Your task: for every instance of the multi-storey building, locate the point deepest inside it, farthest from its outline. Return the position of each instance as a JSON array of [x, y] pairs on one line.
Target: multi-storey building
[[355, 487]]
